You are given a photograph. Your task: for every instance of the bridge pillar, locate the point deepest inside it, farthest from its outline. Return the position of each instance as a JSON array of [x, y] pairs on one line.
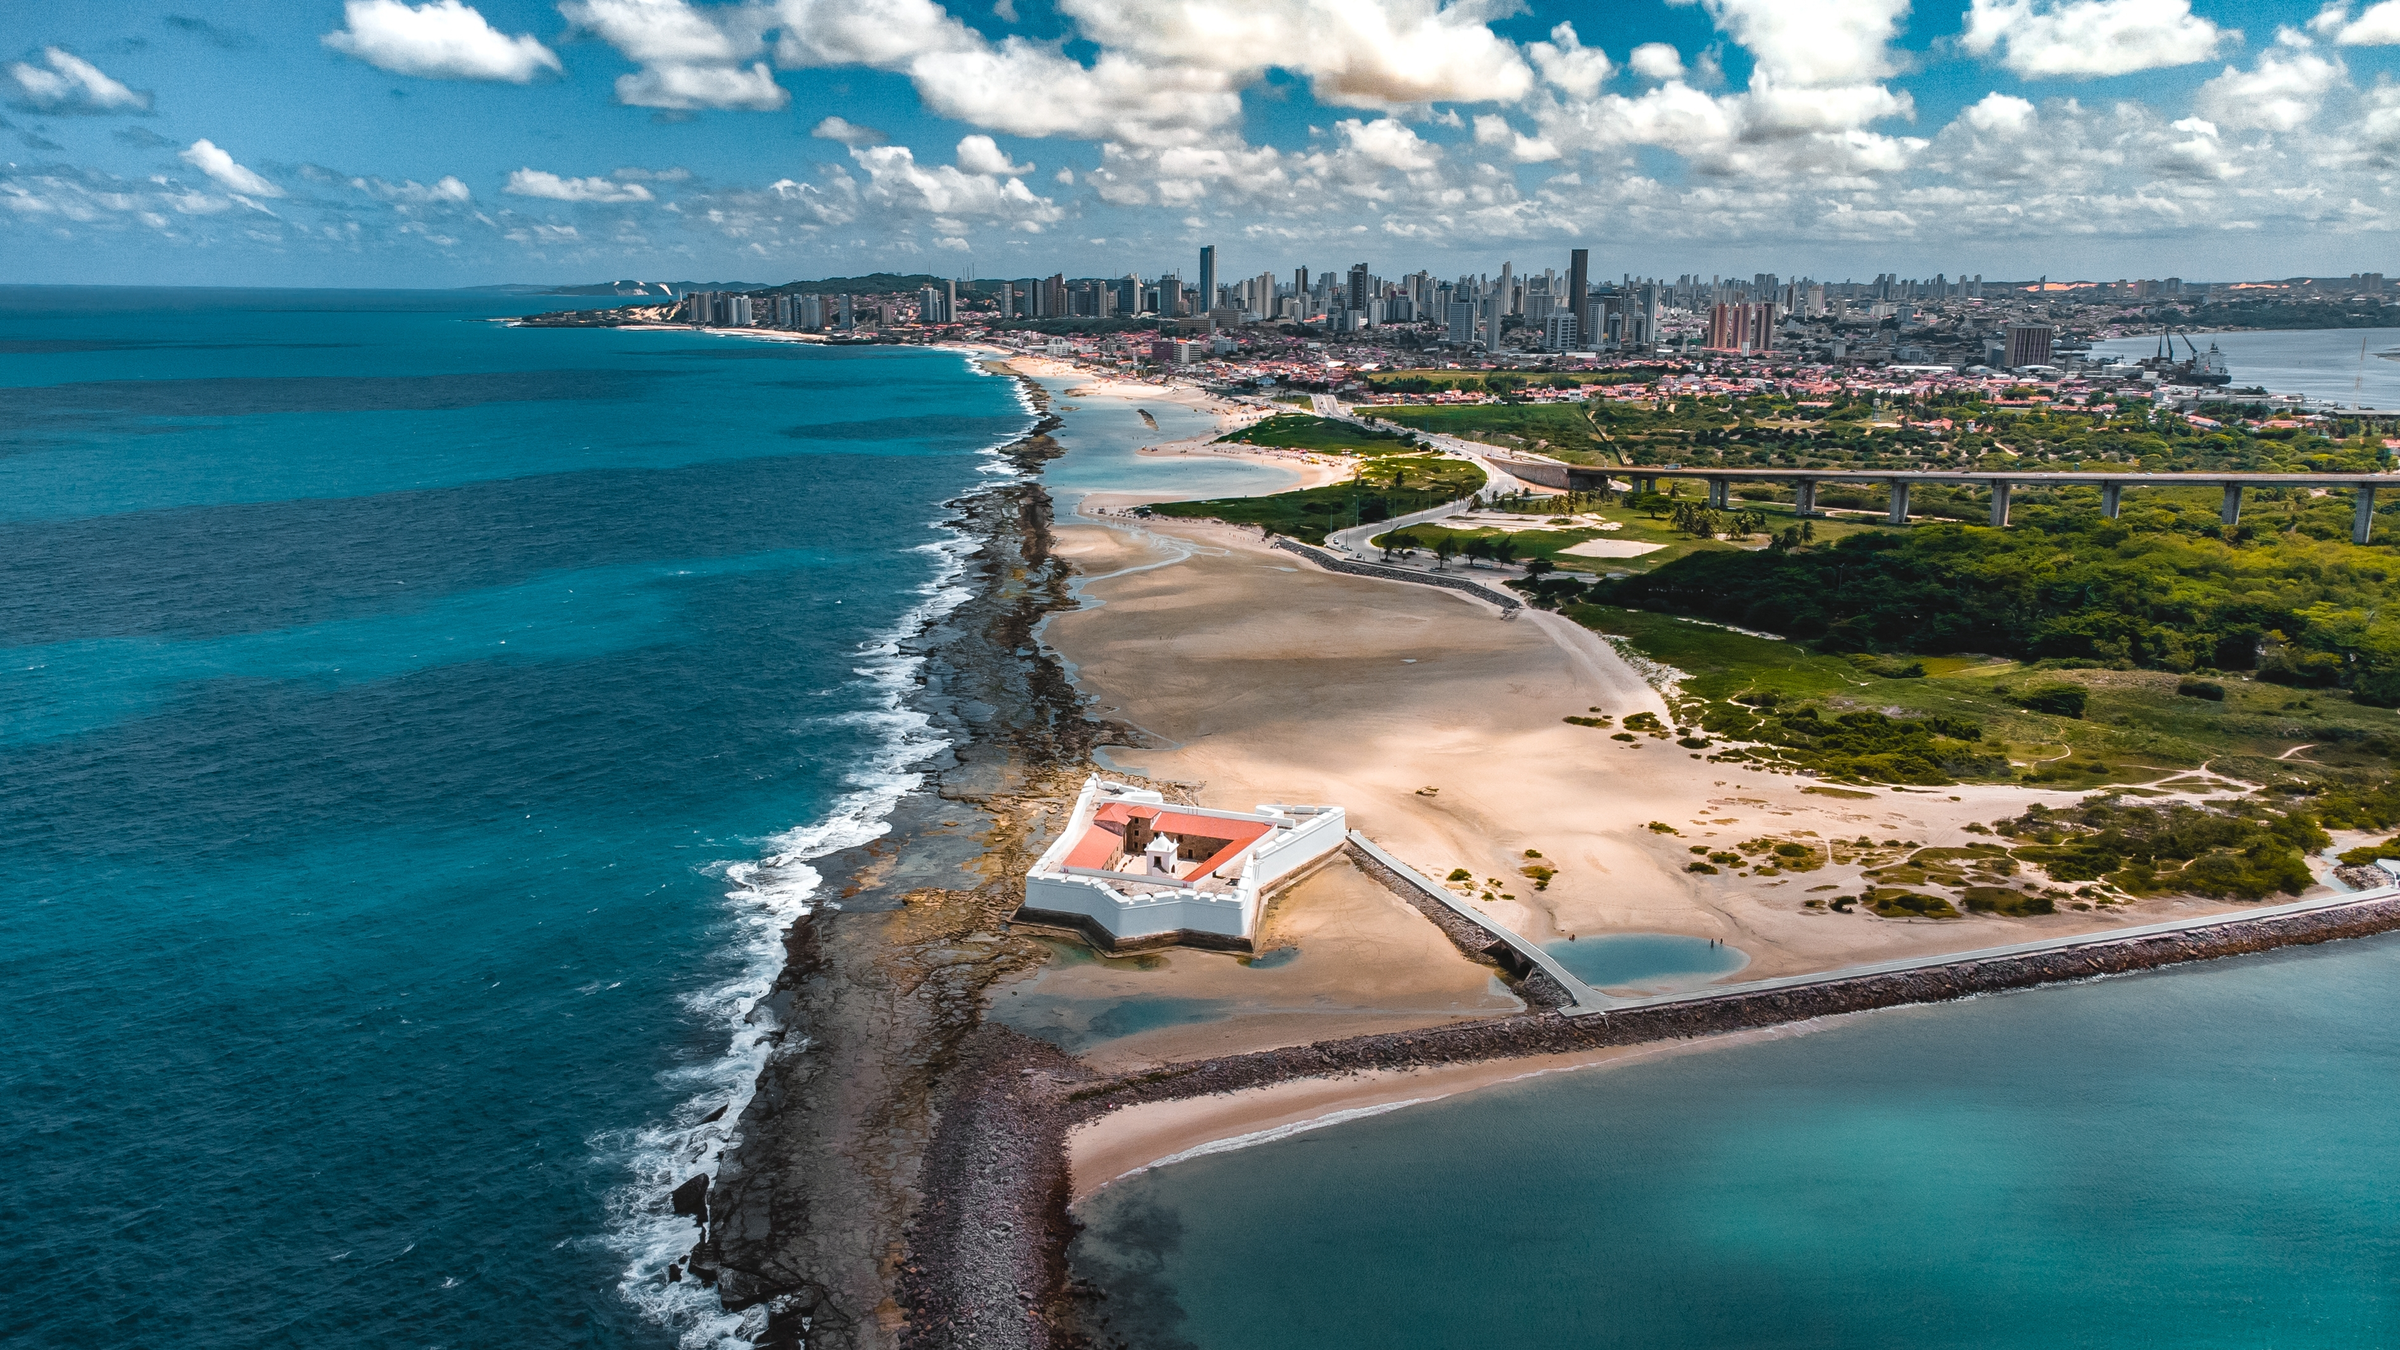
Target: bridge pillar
[[2362, 523], [2112, 499], [2232, 514], [1899, 501], [2000, 505], [1719, 493], [1644, 483], [1804, 503]]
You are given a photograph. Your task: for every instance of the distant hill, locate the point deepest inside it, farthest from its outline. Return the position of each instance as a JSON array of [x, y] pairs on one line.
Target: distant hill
[[877, 283], [629, 289]]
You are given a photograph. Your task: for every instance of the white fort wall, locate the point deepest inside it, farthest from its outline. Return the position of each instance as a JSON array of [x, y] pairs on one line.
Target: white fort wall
[[1125, 907]]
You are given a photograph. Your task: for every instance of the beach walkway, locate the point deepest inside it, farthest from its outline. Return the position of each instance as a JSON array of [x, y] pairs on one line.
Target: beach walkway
[[1586, 998]]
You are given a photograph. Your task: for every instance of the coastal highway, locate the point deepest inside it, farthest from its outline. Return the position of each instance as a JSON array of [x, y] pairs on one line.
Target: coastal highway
[[1353, 541]]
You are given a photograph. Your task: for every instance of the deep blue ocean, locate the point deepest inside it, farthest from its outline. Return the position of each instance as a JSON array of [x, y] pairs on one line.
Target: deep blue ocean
[[413, 733]]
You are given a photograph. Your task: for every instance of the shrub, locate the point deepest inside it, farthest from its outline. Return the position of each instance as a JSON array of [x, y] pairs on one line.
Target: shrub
[[2001, 900], [1897, 904], [2058, 700], [2207, 689], [2367, 854], [1697, 866]]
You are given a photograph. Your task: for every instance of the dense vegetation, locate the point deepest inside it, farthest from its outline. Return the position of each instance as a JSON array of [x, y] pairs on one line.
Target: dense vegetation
[[1862, 746], [2151, 591], [2241, 850], [1303, 431], [2357, 312], [1388, 486]]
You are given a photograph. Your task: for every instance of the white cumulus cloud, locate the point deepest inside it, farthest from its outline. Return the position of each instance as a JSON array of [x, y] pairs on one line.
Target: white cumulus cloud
[[1811, 42], [442, 40], [536, 183], [2379, 26], [1394, 144], [2280, 93], [1657, 61], [849, 133], [219, 166], [982, 154], [409, 191], [71, 84], [2042, 39], [690, 58], [1355, 53], [1565, 62]]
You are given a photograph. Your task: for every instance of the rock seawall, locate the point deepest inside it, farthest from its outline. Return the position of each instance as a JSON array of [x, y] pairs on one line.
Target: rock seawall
[[1705, 1015]]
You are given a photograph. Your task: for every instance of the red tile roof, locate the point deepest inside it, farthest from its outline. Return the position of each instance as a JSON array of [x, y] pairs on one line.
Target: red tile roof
[[1100, 843]]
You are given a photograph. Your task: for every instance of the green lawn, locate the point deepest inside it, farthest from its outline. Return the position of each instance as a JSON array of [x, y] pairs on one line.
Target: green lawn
[[1309, 513], [1530, 543], [1559, 430], [2135, 727], [1647, 525]]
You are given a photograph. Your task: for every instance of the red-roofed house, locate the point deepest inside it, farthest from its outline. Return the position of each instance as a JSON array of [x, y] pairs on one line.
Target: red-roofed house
[[1132, 870]]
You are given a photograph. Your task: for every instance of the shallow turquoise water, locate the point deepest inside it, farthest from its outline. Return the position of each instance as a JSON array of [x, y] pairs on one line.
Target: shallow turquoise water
[[2198, 1157], [1102, 438], [1649, 960]]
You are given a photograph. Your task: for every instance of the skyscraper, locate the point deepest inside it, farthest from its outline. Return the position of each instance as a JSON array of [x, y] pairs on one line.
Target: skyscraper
[[1358, 286], [1208, 276], [1579, 289]]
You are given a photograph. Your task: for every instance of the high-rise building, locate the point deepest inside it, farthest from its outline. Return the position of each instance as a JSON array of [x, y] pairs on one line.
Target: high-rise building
[[1358, 286], [929, 306], [696, 308], [1559, 331], [1579, 287], [1461, 326], [737, 311], [1208, 274], [1742, 327], [2028, 345]]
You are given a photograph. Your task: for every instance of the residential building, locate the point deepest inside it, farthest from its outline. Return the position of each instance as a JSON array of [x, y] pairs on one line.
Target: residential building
[[2029, 345]]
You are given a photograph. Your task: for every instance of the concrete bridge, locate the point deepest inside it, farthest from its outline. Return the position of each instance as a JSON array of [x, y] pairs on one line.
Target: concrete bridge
[[1577, 478]]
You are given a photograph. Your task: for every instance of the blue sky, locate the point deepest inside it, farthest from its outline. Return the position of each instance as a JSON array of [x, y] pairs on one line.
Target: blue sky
[[383, 142]]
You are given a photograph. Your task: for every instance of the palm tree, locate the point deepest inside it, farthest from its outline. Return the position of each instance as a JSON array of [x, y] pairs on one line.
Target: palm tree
[[1504, 550], [1444, 550]]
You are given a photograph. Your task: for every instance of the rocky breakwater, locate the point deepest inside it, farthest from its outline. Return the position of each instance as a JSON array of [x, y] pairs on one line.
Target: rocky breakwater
[[1705, 1014], [825, 1185]]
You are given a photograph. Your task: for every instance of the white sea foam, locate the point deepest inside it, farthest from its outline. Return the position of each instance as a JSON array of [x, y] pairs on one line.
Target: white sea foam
[[766, 894]]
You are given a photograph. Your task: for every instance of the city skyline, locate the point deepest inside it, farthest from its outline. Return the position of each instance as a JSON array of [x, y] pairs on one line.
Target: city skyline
[[382, 143]]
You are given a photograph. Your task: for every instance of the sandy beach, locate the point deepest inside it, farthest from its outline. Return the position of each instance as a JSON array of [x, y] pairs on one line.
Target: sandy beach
[[1439, 726]]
